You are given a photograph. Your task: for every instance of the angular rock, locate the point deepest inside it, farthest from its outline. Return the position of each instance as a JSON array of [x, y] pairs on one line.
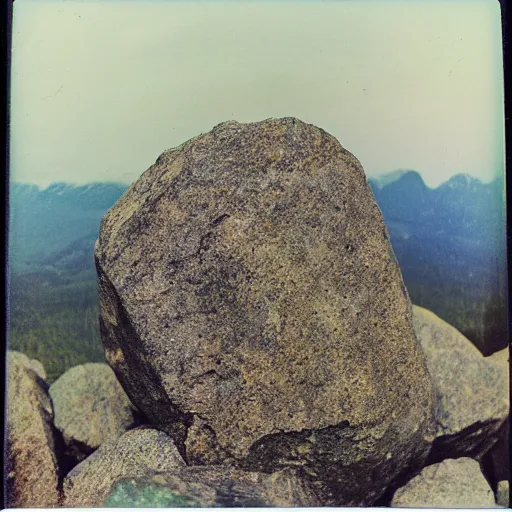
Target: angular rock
[[252, 307], [90, 408], [471, 393], [453, 483], [209, 486], [136, 453], [503, 494], [31, 459]]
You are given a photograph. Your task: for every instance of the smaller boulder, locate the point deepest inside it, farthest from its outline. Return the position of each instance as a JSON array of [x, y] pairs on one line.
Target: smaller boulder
[[453, 483], [472, 401], [135, 454], [31, 459], [214, 486], [90, 407]]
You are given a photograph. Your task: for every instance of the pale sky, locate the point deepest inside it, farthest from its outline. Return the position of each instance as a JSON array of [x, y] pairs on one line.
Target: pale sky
[[100, 88]]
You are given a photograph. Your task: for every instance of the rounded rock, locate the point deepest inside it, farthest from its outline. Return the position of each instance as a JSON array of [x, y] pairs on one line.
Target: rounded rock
[[472, 391], [137, 453], [90, 408], [453, 483]]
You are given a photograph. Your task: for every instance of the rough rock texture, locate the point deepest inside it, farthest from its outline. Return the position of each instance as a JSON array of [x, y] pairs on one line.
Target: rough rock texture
[[90, 408], [136, 453], [252, 307], [503, 494], [31, 464], [502, 358], [453, 483], [472, 400], [208, 486]]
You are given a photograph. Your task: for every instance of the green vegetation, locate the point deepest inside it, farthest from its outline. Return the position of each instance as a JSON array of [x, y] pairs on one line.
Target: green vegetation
[[54, 318], [130, 493]]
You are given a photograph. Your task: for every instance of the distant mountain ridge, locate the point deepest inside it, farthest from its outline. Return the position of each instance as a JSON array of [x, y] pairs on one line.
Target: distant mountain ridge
[[462, 206], [388, 178], [44, 222], [450, 242]]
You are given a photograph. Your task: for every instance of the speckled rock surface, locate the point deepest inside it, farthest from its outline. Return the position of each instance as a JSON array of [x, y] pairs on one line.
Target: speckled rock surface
[[453, 483], [501, 358], [471, 393], [136, 453], [31, 462], [208, 486], [252, 307], [90, 408]]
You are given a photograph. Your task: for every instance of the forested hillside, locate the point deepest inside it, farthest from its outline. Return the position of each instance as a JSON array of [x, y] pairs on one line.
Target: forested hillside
[[55, 319], [53, 297]]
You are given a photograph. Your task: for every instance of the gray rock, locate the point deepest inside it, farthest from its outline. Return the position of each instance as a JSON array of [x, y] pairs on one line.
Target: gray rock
[[471, 393], [31, 458], [90, 408], [503, 494], [252, 307], [38, 368], [209, 486], [453, 483], [135, 454], [502, 358]]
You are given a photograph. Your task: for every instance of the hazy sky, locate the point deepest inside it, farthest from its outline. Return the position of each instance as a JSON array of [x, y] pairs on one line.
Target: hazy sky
[[99, 89]]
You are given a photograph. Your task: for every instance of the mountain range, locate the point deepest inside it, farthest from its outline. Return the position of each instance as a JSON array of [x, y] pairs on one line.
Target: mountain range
[[449, 242], [56, 227]]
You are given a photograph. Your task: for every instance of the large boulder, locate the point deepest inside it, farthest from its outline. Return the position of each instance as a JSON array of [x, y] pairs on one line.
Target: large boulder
[[135, 454], [252, 307], [453, 483], [213, 486], [472, 400], [31, 460], [90, 408]]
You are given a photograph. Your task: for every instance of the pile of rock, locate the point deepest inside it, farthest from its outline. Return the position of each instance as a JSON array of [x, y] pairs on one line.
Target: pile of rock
[[254, 314]]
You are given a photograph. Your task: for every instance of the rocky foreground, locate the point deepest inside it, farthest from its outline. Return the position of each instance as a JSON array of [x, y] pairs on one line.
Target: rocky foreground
[[263, 349]]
